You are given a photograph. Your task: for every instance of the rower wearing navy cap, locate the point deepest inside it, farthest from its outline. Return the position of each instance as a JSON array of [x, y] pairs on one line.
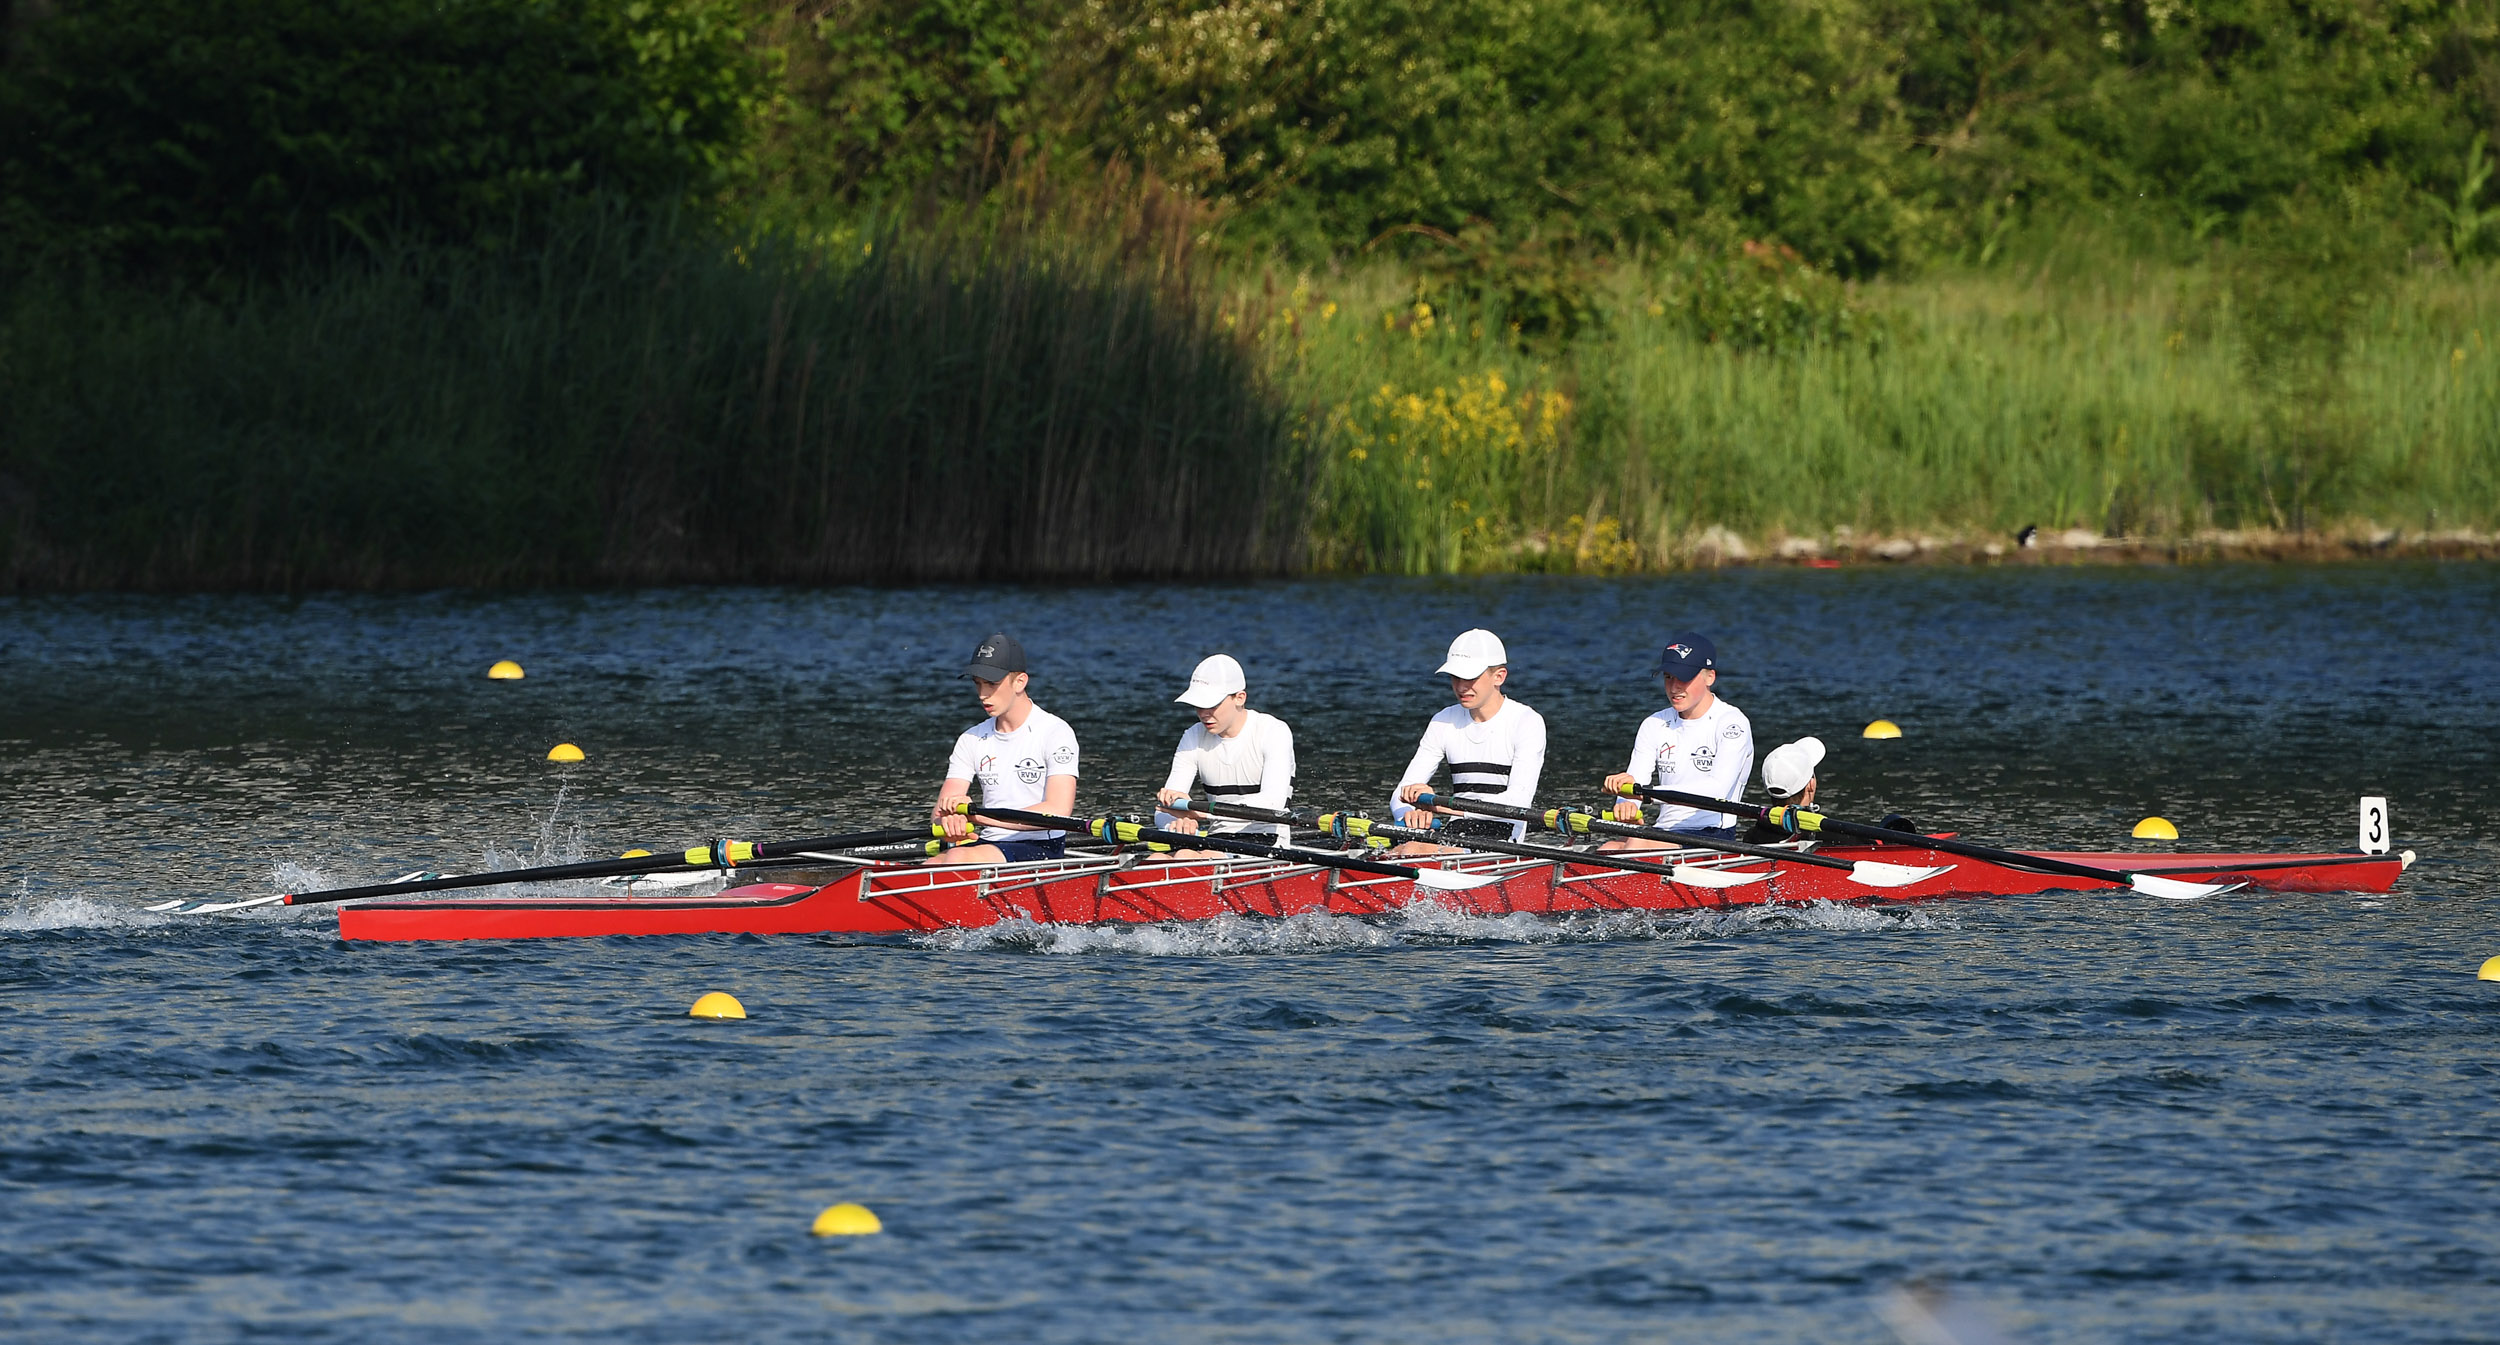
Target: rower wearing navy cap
[[1494, 746], [1023, 755], [1233, 754], [1698, 744]]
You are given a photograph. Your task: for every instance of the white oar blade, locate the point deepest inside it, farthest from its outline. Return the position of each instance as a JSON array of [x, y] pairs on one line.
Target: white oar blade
[[1875, 873], [1443, 880], [2176, 890], [202, 906], [1693, 876]]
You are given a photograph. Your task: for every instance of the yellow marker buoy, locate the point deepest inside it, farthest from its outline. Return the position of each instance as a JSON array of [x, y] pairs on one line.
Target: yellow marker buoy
[[2156, 829], [846, 1220], [2490, 971], [505, 670], [564, 752], [635, 853], [1883, 728], [717, 1004]]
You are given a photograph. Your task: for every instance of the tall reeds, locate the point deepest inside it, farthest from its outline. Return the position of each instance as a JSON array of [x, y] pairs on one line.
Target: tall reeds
[[1043, 391], [1059, 385]]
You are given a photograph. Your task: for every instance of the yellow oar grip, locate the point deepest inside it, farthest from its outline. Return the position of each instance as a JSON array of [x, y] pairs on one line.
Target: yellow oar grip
[[1795, 819], [739, 853]]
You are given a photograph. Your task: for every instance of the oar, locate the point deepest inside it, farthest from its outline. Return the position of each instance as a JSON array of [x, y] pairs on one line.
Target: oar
[[1570, 821], [1114, 830], [1363, 828], [2146, 883], [723, 854]]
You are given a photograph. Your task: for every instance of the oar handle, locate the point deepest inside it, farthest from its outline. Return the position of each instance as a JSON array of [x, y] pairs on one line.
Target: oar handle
[[1797, 819], [700, 857]]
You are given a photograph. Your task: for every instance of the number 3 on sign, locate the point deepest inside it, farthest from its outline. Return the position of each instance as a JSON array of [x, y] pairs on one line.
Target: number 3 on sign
[[2373, 825]]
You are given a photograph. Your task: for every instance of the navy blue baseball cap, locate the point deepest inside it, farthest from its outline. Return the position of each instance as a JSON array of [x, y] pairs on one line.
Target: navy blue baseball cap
[[1686, 655], [997, 657]]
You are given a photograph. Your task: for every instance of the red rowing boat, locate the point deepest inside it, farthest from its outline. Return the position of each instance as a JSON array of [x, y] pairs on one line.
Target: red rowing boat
[[1139, 888]]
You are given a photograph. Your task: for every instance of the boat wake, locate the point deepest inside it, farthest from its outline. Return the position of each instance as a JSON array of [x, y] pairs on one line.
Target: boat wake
[[1422, 924]]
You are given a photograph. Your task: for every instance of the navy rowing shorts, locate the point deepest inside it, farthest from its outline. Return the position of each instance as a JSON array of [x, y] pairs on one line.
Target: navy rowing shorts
[[1020, 852]]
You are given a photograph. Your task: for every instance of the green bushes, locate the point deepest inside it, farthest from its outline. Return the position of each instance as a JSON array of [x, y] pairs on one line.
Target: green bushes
[[179, 137]]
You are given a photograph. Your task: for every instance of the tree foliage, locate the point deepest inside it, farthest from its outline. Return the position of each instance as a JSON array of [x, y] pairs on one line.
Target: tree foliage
[[187, 135], [1861, 133]]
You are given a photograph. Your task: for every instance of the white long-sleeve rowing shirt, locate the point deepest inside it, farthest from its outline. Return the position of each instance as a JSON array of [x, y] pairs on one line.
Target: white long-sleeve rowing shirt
[[1499, 759], [1711, 755], [1253, 768]]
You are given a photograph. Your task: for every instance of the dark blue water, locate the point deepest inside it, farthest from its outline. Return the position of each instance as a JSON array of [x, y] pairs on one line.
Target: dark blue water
[[2095, 1118]]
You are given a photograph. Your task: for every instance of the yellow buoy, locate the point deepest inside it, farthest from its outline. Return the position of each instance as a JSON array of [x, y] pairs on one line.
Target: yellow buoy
[[564, 752], [505, 670], [1883, 728], [2490, 971], [846, 1220], [717, 1004], [2156, 829], [636, 853]]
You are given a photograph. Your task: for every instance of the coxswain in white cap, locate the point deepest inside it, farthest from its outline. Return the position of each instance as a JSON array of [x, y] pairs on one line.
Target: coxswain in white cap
[[1233, 754], [1024, 756], [1698, 744], [1493, 745]]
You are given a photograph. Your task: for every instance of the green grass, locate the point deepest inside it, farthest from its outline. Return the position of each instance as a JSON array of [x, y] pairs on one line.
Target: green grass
[[2137, 403]]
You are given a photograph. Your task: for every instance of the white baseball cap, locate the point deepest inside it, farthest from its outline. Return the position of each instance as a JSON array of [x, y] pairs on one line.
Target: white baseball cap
[[1473, 652], [1217, 676], [1787, 768]]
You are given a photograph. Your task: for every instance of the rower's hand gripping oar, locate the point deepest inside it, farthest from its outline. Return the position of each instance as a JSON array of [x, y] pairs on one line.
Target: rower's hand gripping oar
[[1134, 833], [1691, 875], [1800, 820], [723, 855], [1573, 822]]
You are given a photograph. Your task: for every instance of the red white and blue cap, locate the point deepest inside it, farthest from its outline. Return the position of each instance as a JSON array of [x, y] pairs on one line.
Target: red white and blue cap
[[1686, 655]]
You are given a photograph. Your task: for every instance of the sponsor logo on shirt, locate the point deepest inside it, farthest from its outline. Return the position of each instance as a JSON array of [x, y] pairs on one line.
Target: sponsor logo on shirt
[[1029, 770], [1064, 754], [1731, 733], [1704, 758]]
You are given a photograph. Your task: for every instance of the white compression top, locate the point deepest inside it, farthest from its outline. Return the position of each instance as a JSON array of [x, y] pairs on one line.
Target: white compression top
[[1015, 768], [1499, 759], [1711, 755], [1253, 768]]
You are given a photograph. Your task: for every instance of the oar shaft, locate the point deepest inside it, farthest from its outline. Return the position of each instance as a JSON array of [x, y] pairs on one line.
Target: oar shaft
[[1112, 829], [688, 861], [1813, 821], [1239, 811], [1337, 824], [1565, 821]]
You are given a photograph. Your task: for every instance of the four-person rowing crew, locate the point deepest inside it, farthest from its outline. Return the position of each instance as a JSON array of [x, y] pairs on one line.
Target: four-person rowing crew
[[1026, 760]]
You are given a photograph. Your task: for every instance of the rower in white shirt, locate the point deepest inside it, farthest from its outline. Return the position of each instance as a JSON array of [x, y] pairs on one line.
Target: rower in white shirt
[[1024, 756], [1493, 745], [1698, 744], [1233, 754]]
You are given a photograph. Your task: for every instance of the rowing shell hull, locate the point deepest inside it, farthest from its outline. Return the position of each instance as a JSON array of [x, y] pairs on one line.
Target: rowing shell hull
[[1112, 890]]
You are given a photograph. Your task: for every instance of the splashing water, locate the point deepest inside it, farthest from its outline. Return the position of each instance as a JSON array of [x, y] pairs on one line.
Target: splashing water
[[1420, 924]]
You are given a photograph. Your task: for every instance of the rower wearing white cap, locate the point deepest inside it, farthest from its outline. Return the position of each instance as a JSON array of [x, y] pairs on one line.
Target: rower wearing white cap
[[1698, 744], [1788, 777], [1493, 745], [1233, 754], [1024, 756]]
